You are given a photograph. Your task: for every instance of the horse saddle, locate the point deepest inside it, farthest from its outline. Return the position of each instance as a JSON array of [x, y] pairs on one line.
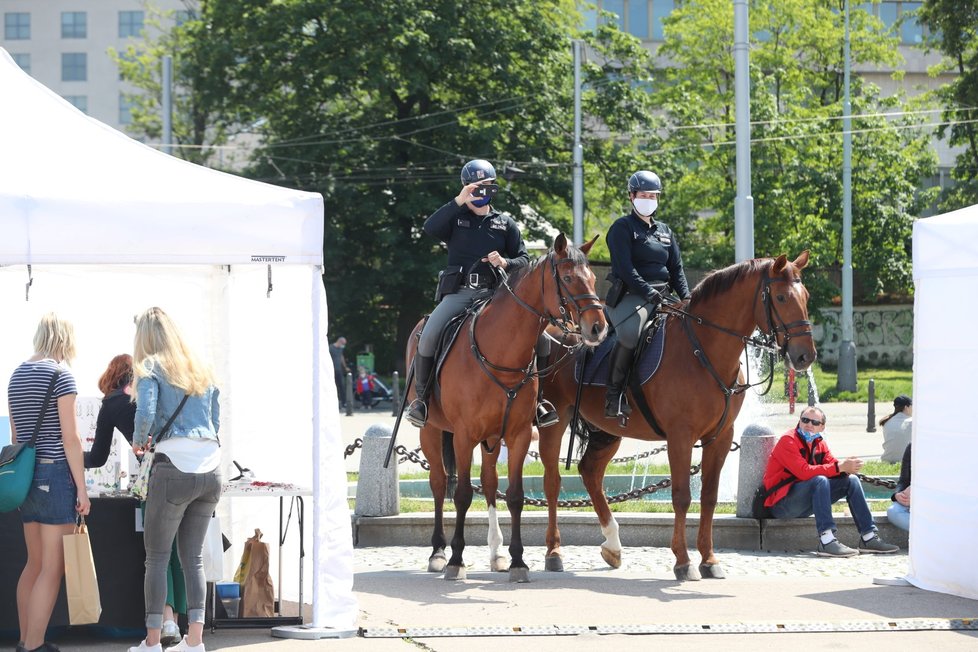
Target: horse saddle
[[648, 356], [452, 329]]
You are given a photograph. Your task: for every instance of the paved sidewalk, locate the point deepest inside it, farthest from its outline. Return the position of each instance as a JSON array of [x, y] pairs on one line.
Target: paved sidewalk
[[789, 600]]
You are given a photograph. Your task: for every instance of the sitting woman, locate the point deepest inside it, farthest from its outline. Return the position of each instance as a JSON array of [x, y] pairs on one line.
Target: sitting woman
[[899, 512]]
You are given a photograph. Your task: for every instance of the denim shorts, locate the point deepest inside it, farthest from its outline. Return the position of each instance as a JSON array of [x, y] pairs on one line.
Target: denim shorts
[[52, 498]]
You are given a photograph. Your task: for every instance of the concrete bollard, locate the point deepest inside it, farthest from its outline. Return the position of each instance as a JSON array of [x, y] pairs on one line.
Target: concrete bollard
[[349, 394], [871, 415], [395, 395], [756, 445], [377, 488]]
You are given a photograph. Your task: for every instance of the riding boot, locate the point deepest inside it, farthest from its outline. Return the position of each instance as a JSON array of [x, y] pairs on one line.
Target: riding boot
[[615, 404], [546, 412], [418, 411]]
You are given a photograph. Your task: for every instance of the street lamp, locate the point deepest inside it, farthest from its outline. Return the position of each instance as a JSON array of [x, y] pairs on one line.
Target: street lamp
[[846, 381]]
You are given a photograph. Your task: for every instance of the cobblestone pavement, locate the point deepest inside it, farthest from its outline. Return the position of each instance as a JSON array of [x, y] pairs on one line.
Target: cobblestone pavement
[[655, 561]]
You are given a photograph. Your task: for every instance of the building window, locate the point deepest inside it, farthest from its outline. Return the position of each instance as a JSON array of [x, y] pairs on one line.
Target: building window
[[617, 7], [80, 102], [24, 61], [125, 109], [638, 19], [74, 24], [660, 11], [182, 16], [130, 23], [74, 66], [911, 32], [17, 26]]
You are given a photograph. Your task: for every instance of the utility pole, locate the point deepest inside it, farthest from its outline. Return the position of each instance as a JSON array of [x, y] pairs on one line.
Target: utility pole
[[168, 104], [744, 203], [578, 201], [847, 348]]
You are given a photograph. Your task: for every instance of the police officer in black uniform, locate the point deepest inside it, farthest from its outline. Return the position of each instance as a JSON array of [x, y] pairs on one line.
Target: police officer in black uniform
[[474, 232], [645, 262]]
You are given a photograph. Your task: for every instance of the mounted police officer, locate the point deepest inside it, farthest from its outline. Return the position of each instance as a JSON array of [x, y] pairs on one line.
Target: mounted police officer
[[645, 263], [478, 237]]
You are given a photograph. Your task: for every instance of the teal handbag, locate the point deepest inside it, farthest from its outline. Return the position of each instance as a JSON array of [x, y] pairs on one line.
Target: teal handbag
[[17, 462]]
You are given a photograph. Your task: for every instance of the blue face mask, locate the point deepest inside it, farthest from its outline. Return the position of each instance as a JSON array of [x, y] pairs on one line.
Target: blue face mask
[[481, 201], [808, 435]]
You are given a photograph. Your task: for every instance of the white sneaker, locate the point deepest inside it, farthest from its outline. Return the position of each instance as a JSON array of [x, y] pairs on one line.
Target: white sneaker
[[170, 634], [142, 647], [184, 646]]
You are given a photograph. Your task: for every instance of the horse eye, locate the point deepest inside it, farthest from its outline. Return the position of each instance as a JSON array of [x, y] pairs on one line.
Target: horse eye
[[567, 279], [781, 298]]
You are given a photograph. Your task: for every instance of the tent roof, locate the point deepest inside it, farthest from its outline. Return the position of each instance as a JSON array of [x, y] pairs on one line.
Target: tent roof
[[73, 190], [946, 245]]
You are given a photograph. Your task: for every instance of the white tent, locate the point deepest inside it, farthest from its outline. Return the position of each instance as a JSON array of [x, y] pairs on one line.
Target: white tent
[[944, 515], [97, 227]]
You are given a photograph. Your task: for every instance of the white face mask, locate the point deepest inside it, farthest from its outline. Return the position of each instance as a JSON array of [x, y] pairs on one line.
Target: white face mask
[[645, 207]]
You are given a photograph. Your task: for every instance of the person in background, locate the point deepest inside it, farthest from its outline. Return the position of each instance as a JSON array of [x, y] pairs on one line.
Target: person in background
[[57, 496], [897, 429], [804, 478], [645, 264], [340, 368], [185, 485], [364, 387], [899, 512], [118, 412]]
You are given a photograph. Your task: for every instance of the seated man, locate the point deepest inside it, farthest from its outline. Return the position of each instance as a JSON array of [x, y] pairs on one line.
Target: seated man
[[804, 478], [899, 512]]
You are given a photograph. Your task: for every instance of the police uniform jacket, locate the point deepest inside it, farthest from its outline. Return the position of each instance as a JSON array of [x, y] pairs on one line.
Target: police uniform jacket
[[471, 237], [644, 256]]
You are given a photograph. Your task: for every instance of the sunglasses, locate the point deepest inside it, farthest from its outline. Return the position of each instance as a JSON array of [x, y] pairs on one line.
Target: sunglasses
[[814, 422]]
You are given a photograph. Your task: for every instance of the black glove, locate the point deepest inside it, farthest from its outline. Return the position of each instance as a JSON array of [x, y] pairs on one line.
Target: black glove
[[653, 296]]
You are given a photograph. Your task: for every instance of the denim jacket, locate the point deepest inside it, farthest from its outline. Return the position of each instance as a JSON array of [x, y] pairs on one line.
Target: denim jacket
[[157, 399]]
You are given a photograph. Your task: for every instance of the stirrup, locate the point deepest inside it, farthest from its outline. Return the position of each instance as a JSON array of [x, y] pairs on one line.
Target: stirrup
[[616, 407], [546, 414], [417, 413]]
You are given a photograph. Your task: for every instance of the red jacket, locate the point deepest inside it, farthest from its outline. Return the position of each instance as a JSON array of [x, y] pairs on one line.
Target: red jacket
[[793, 456]]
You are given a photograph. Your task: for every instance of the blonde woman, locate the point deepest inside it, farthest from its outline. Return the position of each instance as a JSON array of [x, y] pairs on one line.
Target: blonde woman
[[57, 495], [185, 484]]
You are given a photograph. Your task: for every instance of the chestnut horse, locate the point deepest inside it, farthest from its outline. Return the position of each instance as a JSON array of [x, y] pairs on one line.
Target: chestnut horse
[[486, 391], [694, 396]]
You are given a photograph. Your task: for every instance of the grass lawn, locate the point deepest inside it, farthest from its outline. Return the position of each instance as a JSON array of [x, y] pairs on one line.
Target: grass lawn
[[889, 383]]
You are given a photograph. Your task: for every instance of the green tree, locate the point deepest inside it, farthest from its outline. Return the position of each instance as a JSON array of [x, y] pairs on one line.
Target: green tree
[[195, 129], [953, 30], [796, 105], [378, 104]]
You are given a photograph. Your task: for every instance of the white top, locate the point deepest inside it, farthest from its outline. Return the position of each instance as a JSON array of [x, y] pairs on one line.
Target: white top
[[191, 455], [896, 436]]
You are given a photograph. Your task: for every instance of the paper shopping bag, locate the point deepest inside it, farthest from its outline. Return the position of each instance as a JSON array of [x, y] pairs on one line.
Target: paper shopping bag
[[81, 584], [258, 593]]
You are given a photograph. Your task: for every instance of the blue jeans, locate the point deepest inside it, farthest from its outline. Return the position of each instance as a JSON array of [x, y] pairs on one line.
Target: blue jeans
[[899, 516], [179, 505], [815, 496], [52, 496]]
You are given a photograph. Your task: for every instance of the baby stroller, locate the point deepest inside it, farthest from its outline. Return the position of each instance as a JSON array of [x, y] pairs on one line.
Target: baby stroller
[[381, 393]]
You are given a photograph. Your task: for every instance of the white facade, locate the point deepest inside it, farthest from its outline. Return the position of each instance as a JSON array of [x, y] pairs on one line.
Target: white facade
[[54, 30]]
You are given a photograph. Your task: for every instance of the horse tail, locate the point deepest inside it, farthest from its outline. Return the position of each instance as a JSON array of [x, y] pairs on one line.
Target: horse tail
[[583, 436], [448, 458]]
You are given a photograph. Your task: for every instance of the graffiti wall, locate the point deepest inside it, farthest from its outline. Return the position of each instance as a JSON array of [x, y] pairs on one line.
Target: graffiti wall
[[883, 334]]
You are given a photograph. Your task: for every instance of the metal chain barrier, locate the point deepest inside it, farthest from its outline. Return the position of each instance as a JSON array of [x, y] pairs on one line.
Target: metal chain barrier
[[879, 482], [357, 443]]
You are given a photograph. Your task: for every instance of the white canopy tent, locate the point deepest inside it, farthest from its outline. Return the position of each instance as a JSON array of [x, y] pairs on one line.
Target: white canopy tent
[[98, 227], [944, 514]]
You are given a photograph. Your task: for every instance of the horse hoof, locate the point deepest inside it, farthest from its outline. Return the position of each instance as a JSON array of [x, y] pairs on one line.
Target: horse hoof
[[713, 571], [686, 573], [611, 557], [554, 563], [437, 562], [455, 572], [499, 565], [519, 575]]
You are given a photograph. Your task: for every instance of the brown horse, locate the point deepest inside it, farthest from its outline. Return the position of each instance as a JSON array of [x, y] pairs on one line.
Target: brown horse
[[487, 391], [695, 396]]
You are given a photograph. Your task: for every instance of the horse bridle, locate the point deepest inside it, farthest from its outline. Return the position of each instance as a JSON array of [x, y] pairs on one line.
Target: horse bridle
[[771, 311]]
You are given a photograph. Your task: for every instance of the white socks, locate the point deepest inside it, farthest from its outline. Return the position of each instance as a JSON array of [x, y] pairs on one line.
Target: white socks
[[827, 537]]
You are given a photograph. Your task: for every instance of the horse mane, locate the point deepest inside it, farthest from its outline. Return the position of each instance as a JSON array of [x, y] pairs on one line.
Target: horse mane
[[721, 280], [574, 254]]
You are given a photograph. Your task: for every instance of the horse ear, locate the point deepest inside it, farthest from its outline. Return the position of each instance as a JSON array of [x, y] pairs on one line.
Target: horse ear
[[586, 247], [560, 244], [802, 260], [779, 264]]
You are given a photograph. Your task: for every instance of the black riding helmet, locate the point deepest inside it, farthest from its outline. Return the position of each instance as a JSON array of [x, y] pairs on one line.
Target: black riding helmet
[[477, 171], [644, 181]]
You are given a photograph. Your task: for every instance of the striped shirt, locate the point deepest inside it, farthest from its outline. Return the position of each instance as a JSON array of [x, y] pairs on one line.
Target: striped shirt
[[26, 391]]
